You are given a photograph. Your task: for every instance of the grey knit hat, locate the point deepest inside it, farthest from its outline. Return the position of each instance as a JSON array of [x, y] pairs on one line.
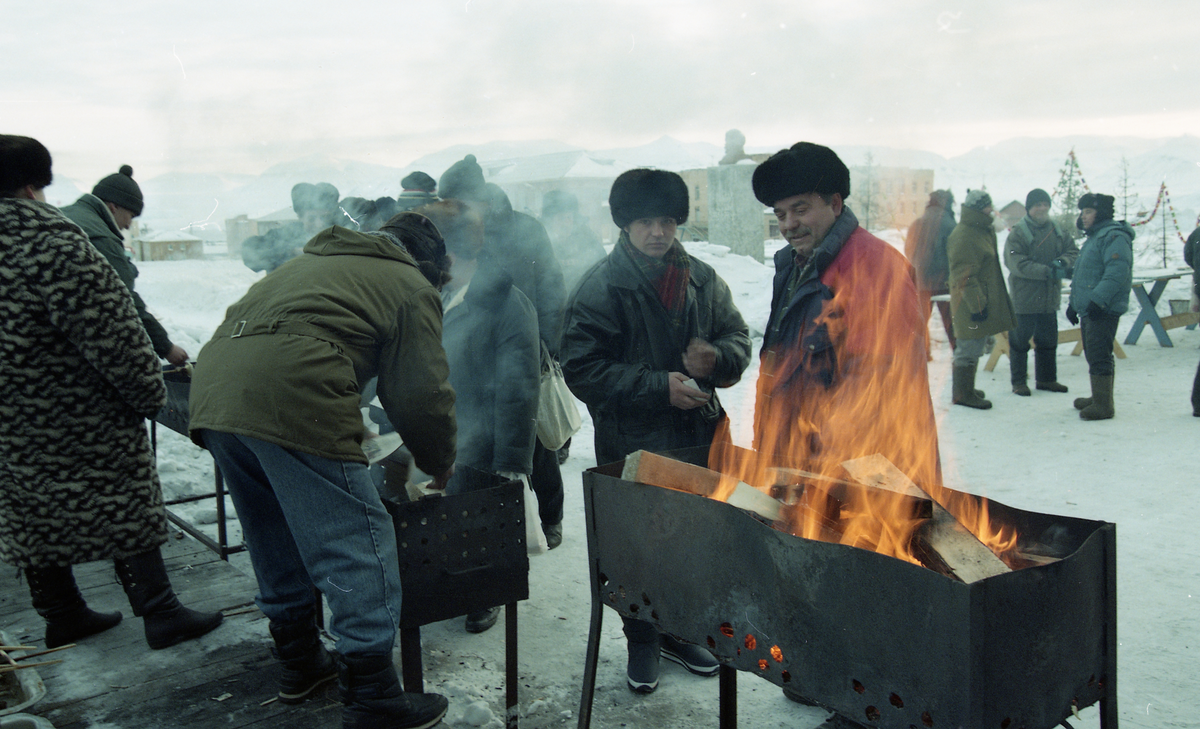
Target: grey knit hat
[[121, 190], [977, 200]]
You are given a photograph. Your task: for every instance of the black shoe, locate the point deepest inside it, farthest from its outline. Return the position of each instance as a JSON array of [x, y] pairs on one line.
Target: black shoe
[[692, 657], [1051, 387], [482, 620], [166, 620], [372, 697], [56, 598], [553, 534], [1020, 388], [641, 672], [306, 662]]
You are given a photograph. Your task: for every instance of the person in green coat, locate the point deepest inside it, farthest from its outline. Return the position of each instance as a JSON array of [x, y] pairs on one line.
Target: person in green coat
[[111, 207], [275, 398], [979, 302]]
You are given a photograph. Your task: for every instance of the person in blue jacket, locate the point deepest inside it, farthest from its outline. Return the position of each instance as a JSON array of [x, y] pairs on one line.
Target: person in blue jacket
[[1099, 296]]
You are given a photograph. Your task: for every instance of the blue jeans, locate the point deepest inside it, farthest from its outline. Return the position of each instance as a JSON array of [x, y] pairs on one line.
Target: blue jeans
[[314, 522]]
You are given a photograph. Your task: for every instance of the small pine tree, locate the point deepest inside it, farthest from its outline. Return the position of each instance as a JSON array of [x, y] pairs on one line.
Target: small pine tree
[[1066, 195]]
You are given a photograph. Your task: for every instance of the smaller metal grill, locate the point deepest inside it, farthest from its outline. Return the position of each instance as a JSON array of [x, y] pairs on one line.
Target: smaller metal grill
[[460, 554]]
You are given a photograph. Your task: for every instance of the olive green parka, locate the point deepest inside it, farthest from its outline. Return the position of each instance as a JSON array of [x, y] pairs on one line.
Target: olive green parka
[[288, 363]]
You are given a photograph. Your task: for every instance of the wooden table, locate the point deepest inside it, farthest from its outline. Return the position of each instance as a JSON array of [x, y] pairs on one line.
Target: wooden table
[[1148, 299]]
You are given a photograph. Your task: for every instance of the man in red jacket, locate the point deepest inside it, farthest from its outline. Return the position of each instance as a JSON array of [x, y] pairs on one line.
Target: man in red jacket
[[843, 372], [843, 359]]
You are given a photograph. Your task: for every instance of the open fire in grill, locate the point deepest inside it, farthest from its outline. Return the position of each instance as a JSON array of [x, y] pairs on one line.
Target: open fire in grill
[[925, 620]]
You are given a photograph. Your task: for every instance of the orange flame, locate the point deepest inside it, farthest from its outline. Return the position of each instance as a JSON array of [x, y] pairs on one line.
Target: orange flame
[[861, 390]]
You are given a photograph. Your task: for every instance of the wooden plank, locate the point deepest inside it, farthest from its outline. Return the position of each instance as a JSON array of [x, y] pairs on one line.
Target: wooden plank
[[942, 543], [655, 470]]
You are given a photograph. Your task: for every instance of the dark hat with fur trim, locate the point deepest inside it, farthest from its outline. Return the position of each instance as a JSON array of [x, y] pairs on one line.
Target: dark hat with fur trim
[[463, 181], [1102, 204], [1035, 196], [646, 193], [804, 168], [322, 197], [424, 242], [23, 161], [121, 190], [418, 181]]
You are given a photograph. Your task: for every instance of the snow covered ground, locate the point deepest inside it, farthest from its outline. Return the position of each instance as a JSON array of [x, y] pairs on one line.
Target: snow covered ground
[[1032, 453]]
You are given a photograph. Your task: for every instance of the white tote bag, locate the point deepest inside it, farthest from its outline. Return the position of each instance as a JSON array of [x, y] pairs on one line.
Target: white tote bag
[[558, 416]]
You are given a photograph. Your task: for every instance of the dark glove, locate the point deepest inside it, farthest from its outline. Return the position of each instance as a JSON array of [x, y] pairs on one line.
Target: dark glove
[[981, 316], [1093, 310], [1057, 269], [1072, 315], [1068, 270]]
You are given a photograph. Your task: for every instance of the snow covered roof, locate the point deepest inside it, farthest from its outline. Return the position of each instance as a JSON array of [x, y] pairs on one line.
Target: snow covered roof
[[553, 166], [169, 236]]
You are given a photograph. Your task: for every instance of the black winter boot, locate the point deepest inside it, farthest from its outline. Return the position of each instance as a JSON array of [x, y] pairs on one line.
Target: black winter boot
[[1101, 407], [306, 662], [1046, 371], [56, 598], [964, 392], [148, 588], [373, 699]]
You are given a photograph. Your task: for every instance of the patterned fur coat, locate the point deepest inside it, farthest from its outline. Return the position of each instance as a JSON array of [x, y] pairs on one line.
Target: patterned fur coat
[[78, 377]]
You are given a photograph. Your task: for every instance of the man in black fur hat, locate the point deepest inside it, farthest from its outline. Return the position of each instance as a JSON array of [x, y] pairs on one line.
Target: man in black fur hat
[[649, 334], [843, 370]]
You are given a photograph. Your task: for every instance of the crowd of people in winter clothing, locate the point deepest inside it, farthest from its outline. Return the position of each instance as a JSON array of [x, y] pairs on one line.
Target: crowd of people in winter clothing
[[442, 309], [963, 260]]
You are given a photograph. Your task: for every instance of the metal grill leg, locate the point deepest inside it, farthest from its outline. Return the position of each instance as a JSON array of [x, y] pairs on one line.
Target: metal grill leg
[[411, 669], [510, 664], [589, 664], [727, 675]]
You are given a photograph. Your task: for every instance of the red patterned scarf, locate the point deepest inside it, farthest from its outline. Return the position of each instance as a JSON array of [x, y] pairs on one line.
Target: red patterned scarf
[[668, 275]]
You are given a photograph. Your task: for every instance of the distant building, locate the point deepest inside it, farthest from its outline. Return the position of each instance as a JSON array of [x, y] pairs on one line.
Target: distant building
[[171, 245], [697, 183], [1010, 214], [889, 197], [242, 227]]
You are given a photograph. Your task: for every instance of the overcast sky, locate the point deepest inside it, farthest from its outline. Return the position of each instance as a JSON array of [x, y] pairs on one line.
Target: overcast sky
[[237, 86]]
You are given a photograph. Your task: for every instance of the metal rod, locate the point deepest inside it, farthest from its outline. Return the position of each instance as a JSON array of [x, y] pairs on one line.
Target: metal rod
[[727, 675], [510, 664], [410, 660]]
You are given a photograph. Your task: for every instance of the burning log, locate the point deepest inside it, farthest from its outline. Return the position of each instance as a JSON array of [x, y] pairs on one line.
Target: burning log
[[829, 501], [655, 470], [942, 543]]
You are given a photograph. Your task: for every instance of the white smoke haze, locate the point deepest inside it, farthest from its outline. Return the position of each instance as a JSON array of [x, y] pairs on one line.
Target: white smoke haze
[[233, 88]]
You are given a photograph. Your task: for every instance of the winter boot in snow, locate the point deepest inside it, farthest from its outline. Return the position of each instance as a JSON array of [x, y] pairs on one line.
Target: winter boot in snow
[[148, 588], [1045, 370], [56, 598], [1022, 389], [692, 657], [372, 697], [964, 392], [641, 672], [306, 662], [1101, 407]]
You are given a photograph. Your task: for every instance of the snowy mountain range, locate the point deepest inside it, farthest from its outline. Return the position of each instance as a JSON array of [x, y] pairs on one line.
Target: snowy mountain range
[[200, 203]]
